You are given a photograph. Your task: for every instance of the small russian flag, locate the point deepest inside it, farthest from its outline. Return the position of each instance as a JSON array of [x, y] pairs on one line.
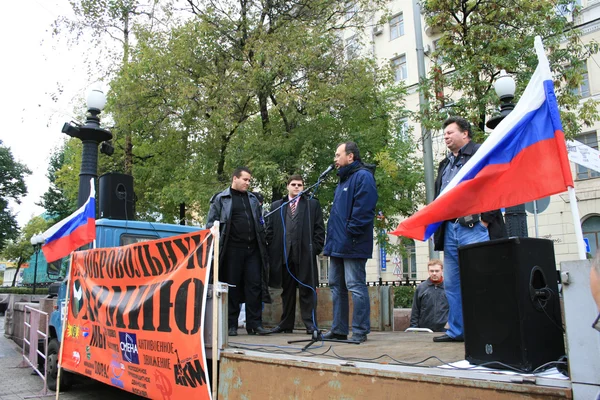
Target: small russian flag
[[72, 232]]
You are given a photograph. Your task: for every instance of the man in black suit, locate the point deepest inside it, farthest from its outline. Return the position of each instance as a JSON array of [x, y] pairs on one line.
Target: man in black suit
[[295, 236]]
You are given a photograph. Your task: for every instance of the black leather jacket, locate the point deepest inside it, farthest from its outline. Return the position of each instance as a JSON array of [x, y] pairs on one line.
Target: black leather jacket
[[220, 209]]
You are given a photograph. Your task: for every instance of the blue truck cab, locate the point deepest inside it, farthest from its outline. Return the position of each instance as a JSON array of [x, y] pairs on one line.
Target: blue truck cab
[[109, 233]]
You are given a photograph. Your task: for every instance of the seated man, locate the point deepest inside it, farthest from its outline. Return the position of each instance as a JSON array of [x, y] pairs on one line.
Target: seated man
[[430, 305]]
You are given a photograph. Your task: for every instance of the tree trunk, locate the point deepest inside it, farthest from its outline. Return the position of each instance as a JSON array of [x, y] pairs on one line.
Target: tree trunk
[[14, 282]]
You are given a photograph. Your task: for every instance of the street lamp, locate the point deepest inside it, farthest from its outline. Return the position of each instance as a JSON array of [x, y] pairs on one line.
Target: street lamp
[[515, 217], [36, 242], [91, 135]]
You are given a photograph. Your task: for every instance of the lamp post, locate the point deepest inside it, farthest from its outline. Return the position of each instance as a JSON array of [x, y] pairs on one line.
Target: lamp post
[[516, 217], [91, 135], [36, 242]]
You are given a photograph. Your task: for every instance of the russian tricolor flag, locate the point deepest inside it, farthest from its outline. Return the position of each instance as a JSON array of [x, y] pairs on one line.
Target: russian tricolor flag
[[72, 232], [524, 159]]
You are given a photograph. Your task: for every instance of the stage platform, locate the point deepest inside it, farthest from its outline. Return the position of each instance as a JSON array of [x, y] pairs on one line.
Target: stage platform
[[389, 365]]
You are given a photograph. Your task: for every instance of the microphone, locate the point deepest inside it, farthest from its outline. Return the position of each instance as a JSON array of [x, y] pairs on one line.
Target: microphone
[[328, 170]]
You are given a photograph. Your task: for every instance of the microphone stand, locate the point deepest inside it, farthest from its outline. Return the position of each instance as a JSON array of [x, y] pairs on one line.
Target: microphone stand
[[316, 335]]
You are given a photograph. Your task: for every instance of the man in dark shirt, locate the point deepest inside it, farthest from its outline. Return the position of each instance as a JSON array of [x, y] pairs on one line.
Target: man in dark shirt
[[295, 235], [430, 305], [243, 256]]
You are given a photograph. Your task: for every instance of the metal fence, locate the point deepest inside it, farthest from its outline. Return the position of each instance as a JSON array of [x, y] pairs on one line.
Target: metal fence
[[31, 341], [406, 282]]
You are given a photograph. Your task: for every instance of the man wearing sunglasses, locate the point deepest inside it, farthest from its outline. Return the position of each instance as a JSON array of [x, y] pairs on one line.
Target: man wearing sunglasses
[[290, 233]]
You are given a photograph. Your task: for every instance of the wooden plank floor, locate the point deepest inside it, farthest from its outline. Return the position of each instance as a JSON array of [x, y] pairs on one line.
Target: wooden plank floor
[[396, 348]]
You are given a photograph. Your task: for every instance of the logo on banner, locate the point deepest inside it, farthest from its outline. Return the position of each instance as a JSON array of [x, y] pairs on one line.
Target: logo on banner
[[117, 369], [76, 358], [129, 349], [189, 372], [85, 329], [163, 385]]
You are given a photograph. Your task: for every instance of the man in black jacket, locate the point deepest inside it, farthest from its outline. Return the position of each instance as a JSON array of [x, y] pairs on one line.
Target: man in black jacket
[[295, 236], [460, 231], [430, 305], [243, 260]]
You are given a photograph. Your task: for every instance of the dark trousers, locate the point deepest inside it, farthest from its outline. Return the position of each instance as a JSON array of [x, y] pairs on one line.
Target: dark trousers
[[242, 268], [288, 298]]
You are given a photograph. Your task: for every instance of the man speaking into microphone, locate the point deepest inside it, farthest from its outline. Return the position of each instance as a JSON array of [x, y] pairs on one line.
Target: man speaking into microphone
[[350, 243]]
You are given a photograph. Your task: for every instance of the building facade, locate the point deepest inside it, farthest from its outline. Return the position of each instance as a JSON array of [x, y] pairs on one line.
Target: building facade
[[394, 42]]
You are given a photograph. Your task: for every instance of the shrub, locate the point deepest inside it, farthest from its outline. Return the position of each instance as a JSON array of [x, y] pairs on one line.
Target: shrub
[[403, 296]]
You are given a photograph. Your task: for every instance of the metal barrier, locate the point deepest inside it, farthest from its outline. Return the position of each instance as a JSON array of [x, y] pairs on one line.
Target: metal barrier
[[406, 282], [31, 338]]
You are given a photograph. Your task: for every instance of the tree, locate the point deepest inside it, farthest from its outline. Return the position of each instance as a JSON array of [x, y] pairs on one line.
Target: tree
[[110, 22], [12, 186], [262, 84], [55, 201], [20, 249], [479, 38]]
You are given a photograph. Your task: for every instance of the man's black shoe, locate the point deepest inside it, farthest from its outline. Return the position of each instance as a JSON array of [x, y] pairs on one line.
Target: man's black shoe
[[446, 338], [232, 332], [279, 329], [334, 336], [259, 329], [358, 338]]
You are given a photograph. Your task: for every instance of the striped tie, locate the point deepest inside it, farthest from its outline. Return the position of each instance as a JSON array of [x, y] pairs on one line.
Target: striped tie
[[293, 206]]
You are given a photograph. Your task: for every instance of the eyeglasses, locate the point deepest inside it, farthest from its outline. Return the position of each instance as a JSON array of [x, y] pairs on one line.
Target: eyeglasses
[[296, 184]]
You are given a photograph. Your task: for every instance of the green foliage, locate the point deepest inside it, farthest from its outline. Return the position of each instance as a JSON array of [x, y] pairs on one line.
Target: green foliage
[[12, 186], [20, 249], [264, 85], [478, 39], [55, 201], [403, 296]]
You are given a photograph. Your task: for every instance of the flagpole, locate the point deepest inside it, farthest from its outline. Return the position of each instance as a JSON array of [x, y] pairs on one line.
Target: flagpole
[[215, 231], [577, 223], [65, 320]]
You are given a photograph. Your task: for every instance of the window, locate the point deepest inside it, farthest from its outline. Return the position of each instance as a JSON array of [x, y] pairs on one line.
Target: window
[[589, 139], [396, 26], [352, 47], [351, 9], [409, 259], [591, 232], [399, 66], [127, 238], [323, 269], [439, 60], [404, 130], [583, 90]]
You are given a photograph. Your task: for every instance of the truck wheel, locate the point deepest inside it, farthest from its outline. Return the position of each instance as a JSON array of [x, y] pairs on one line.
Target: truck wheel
[[52, 370]]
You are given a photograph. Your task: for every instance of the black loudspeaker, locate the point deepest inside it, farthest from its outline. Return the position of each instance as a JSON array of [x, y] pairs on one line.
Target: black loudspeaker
[[116, 197], [511, 306]]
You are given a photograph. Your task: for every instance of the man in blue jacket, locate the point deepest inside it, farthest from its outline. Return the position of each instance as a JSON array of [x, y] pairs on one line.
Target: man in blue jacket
[[350, 243]]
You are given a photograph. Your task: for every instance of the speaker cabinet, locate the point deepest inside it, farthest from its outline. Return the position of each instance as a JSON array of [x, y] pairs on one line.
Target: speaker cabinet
[[511, 307], [116, 197]]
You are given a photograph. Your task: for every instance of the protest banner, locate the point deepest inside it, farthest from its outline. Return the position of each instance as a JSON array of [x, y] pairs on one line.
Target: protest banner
[[136, 315]]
